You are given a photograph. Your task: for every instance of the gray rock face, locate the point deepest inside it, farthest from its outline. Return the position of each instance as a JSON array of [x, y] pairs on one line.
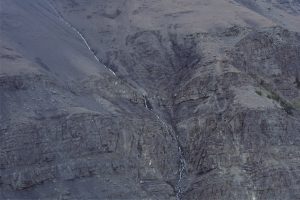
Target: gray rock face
[[149, 99]]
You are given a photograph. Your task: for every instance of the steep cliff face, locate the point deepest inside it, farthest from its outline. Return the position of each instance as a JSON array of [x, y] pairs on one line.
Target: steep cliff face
[[149, 99]]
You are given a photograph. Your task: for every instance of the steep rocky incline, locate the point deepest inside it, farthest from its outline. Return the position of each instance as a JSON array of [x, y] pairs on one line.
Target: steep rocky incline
[[134, 99]]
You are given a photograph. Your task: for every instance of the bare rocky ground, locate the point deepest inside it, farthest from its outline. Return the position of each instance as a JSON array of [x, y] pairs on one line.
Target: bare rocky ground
[[139, 99]]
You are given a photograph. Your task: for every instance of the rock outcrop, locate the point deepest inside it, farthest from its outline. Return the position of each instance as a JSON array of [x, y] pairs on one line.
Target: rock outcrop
[[138, 99]]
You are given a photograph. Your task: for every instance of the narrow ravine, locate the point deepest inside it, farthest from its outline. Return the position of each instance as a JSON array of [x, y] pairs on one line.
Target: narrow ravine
[[182, 170], [147, 105], [181, 159]]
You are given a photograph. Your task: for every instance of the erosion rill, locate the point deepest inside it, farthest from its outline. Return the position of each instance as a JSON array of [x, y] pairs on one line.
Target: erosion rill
[[136, 99], [78, 33], [147, 104], [181, 160]]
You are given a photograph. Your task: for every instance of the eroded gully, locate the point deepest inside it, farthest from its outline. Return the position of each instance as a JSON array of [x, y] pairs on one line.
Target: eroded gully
[[169, 129]]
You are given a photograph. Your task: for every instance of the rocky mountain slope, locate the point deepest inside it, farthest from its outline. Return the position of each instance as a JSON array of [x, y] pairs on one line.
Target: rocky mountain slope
[[136, 99]]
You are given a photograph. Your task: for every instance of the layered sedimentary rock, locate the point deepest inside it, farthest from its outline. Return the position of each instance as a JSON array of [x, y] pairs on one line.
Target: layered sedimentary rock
[[149, 99]]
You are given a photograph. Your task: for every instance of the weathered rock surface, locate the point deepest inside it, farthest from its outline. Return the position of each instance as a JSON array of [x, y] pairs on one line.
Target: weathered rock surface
[[138, 99]]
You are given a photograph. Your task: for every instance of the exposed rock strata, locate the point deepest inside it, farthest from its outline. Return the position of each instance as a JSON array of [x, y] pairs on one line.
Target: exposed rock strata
[[195, 111]]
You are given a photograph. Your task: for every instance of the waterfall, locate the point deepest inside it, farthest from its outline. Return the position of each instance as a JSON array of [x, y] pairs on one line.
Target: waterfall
[[145, 103], [60, 16], [182, 163], [182, 170]]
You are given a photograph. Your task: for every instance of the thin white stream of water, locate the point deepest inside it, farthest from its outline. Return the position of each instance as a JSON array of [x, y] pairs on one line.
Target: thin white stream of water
[[182, 163], [80, 35]]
